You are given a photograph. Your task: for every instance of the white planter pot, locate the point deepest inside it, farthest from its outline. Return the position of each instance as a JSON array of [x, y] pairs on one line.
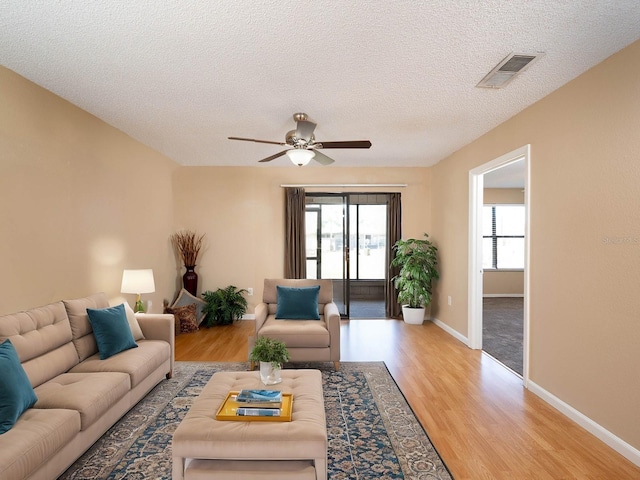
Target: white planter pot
[[413, 316], [268, 374]]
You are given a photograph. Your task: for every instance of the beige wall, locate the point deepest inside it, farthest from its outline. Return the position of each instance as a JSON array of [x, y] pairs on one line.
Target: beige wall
[[503, 282], [81, 201], [507, 283], [503, 196], [241, 211], [585, 238]]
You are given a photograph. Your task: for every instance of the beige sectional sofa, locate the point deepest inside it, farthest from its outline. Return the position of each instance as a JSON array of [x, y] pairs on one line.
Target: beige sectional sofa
[[79, 396]]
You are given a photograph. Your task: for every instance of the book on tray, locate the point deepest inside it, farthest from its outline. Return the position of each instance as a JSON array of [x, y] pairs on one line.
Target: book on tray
[[259, 398], [258, 412], [254, 395], [272, 411]]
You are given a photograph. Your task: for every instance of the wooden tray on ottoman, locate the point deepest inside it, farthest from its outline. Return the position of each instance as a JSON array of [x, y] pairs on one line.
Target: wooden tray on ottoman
[[227, 410]]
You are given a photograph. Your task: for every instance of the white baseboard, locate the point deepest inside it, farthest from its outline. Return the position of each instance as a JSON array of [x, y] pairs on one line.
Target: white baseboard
[[498, 295], [619, 445], [623, 448], [248, 316], [450, 331]]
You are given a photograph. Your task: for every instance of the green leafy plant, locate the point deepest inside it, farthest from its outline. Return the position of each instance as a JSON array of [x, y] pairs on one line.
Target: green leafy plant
[[417, 261], [224, 306], [269, 350]]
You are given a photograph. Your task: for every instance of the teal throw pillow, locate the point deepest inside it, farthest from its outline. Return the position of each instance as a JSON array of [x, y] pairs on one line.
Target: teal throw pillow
[[297, 303], [111, 329], [16, 392]]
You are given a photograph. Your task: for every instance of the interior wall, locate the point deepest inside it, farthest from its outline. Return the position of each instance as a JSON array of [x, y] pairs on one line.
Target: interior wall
[[585, 238], [241, 212], [503, 282], [507, 283], [81, 201], [503, 196]]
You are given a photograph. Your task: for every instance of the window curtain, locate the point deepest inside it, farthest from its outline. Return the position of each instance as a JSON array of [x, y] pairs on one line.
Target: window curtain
[[295, 263], [394, 233]]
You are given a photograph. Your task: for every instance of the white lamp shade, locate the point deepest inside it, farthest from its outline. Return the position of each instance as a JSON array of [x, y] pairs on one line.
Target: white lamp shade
[[138, 281], [300, 156]]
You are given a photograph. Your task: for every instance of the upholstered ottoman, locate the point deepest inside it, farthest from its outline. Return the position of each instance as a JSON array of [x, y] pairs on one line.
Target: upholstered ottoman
[[204, 447]]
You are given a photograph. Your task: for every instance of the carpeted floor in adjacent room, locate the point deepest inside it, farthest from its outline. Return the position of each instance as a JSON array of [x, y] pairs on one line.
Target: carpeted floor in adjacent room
[[502, 330]]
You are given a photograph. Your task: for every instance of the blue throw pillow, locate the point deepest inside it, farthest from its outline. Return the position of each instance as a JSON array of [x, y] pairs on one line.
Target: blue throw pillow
[[16, 392], [111, 329], [297, 303]]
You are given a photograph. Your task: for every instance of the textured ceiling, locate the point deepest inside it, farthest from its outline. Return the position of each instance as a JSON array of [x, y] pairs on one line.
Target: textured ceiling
[[507, 176], [181, 76]]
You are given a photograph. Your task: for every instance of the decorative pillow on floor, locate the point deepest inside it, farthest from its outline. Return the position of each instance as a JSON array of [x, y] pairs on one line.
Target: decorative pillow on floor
[[297, 303], [185, 298], [16, 392], [111, 330], [186, 317]]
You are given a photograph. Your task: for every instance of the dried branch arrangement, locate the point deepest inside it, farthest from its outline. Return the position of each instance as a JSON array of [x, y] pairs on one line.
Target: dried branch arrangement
[[188, 245]]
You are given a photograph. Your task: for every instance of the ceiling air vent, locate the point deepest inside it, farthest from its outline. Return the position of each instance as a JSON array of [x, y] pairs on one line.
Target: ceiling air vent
[[512, 65]]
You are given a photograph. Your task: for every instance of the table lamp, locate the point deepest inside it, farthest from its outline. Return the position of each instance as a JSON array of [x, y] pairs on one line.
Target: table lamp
[[138, 281]]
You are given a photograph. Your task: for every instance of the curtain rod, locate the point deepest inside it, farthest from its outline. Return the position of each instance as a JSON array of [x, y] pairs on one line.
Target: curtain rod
[[400, 185]]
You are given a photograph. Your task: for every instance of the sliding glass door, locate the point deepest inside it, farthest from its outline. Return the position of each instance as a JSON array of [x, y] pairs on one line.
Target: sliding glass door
[[327, 244], [346, 242]]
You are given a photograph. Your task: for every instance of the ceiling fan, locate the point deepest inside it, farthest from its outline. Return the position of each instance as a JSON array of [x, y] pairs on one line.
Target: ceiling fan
[[304, 144]]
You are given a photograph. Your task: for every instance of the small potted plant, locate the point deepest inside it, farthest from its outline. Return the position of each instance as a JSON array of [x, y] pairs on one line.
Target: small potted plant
[[271, 354], [224, 306], [417, 261]]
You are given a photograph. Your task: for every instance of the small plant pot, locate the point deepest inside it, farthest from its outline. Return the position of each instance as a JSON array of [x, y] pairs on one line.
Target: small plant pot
[[269, 374], [413, 316]]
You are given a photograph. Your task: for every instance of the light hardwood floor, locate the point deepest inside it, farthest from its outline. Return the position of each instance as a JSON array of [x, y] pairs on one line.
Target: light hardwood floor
[[482, 421]]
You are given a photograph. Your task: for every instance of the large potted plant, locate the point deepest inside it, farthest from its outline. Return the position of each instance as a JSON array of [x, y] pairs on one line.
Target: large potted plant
[[224, 306], [417, 261], [271, 354]]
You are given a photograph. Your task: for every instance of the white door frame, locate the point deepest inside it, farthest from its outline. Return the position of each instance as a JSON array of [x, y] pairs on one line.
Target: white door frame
[[476, 197]]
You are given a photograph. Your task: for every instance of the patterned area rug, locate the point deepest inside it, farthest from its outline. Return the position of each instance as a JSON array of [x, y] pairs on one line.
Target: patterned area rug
[[372, 432]]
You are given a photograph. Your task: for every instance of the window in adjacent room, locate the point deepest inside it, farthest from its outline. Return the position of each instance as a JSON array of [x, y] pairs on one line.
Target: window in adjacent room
[[503, 237]]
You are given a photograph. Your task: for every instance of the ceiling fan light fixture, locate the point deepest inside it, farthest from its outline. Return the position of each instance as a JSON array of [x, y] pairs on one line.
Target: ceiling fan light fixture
[[300, 157], [304, 144]]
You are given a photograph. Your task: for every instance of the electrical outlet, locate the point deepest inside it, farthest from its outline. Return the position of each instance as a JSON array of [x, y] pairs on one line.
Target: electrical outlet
[[250, 291], [449, 300]]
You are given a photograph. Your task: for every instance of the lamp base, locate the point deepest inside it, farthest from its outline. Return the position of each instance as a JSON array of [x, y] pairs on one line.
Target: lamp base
[[139, 307]]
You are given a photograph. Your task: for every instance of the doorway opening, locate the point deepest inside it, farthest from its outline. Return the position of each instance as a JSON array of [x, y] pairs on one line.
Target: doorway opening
[[503, 235], [346, 241], [499, 259]]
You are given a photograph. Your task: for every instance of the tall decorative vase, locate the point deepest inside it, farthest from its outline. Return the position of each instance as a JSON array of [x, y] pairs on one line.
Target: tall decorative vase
[[190, 280]]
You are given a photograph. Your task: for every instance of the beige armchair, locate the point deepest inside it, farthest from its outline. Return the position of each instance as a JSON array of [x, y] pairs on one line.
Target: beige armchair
[[306, 340]]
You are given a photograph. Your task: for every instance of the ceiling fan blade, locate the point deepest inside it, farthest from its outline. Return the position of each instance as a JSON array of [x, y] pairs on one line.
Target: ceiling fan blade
[[256, 141], [305, 129], [348, 144], [273, 157], [321, 158]]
